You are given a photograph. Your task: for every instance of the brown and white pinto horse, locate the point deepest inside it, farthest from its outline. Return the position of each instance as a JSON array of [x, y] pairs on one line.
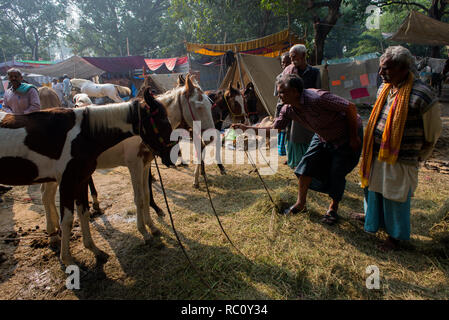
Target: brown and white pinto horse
[[62, 145], [137, 157], [228, 107]]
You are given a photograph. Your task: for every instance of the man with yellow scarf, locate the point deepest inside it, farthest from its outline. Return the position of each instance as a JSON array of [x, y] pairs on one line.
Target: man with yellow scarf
[[402, 130]]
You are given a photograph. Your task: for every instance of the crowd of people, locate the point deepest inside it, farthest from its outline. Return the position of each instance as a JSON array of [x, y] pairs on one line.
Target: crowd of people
[[402, 130]]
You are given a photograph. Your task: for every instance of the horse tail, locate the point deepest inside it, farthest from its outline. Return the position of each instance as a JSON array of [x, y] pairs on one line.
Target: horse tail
[[124, 91]]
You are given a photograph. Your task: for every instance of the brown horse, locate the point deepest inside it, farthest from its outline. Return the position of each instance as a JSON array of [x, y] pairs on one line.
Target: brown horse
[[49, 98], [251, 103], [228, 107]]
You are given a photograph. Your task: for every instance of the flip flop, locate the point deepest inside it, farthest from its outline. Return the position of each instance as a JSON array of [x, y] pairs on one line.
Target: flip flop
[[293, 210], [330, 218]]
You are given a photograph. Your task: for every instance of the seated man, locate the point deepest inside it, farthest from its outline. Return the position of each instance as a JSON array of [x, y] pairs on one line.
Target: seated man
[[335, 147]]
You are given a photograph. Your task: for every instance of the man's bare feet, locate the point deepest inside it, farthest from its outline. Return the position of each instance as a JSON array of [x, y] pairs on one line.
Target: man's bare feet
[[389, 245]]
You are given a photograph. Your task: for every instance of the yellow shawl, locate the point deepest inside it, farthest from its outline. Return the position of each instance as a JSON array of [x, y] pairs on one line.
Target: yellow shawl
[[393, 132]]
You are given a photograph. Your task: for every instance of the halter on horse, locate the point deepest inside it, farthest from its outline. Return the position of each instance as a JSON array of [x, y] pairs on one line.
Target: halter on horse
[[228, 107]]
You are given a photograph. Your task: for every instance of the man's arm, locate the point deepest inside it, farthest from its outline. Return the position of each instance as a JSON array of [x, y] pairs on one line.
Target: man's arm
[[318, 80], [35, 103], [245, 127], [432, 130], [6, 107]]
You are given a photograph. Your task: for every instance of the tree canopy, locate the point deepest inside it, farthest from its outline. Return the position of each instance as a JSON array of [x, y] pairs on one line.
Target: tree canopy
[[159, 28]]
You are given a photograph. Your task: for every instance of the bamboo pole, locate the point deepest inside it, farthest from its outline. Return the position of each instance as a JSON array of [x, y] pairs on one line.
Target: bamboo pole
[[238, 65]]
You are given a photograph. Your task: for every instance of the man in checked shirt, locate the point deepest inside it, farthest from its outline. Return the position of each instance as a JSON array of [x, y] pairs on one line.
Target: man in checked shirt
[[335, 148]]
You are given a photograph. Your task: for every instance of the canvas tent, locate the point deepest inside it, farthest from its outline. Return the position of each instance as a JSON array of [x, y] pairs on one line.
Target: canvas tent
[[421, 29], [74, 67], [270, 46], [165, 82], [117, 64], [210, 75], [259, 70]]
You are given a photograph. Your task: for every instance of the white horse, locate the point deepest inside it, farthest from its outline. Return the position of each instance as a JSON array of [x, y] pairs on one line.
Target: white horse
[[96, 90], [134, 155], [81, 100]]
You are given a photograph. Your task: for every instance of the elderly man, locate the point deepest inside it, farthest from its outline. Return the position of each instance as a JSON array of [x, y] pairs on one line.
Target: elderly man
[[402, 130], [335, 148], [298, 139], [21, 97], [285, 61]]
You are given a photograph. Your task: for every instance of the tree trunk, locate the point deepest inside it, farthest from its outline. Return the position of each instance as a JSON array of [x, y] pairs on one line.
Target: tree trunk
[[318, 52], [322, 29], [436, 11]]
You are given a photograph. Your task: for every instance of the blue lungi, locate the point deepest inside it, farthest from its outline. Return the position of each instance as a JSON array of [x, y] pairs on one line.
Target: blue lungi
[[328, 165], [392, 216], [281, 143]]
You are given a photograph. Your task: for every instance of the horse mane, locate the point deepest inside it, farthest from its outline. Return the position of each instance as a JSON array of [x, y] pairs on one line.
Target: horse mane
[[109, 116]]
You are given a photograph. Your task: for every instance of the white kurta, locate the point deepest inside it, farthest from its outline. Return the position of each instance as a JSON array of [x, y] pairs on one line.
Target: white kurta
[[394, 181]]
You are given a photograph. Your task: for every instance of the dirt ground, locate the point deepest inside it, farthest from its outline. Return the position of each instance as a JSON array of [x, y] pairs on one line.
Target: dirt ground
[[29, 269]]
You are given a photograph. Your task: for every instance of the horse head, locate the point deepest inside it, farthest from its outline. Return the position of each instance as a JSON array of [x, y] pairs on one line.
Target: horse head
[[197, 104], [154, 127], [234, 100], [77, 83]]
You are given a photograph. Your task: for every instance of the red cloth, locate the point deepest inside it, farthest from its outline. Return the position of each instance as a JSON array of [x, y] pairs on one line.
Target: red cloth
[[170, 63]]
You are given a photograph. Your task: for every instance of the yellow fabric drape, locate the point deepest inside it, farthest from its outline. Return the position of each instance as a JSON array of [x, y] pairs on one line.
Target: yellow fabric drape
[[276, 43], [393, 132]]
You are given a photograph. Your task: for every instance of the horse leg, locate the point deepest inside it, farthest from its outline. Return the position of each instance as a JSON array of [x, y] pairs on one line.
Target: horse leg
[[196, 183], [66, 195], [82, 206], [48, 193], [222, 169], [94, 194], [115, 96], [136, 171], [149, 193]]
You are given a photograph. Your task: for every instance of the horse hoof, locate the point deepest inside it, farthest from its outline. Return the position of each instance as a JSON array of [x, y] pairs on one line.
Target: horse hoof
[[54, 242], [160, 213], [196, 186], [96, 207], [156, 233], [102, 257], [223, 172], [149, 241], [68, 261]]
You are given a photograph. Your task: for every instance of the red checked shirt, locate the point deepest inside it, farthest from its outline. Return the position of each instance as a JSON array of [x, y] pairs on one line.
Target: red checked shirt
[[321, 112]]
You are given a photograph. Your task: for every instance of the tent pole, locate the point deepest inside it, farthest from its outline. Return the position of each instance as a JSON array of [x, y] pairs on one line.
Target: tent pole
[[221, 65], [240, 69]]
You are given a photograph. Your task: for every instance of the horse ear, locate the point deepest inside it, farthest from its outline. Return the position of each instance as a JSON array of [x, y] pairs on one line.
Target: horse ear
[[181, 80], [189, 86], [149, 99], [238, 85]]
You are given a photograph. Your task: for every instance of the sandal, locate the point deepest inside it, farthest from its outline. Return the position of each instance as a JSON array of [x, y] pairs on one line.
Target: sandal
[[330, 218], [294, 210]]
